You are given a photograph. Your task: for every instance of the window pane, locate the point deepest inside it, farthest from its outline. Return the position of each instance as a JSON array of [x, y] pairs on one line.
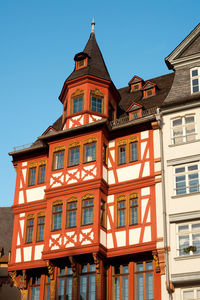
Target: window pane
[[122, 155], [90, 152], [149, 286], [139, 286], [72, 219], [125, 288], [196, 226], [139, 267], [117, 288], [177, 122], [41, 233], [69, 288], [134, 152], [183, 243], [121, 218], [149, 265], [189, 119], [97, 104], [61, 289], [83, 288], [42, 174], [188, 295], [125, 269], [35, 293], [32, 174], [58, 160], [57, 221], [77, 104], [74, 156], [196, 242], [183, 228], [194, 72], [92, 287]]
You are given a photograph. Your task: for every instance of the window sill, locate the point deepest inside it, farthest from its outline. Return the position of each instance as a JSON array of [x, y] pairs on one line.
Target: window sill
[[185, 195], [185, 257], [184, 143]]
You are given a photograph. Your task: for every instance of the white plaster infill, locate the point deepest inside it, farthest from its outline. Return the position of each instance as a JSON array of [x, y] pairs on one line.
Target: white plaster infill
[[35, 194]]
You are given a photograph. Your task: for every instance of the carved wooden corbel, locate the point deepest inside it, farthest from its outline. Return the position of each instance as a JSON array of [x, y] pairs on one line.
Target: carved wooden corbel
[[73, 266], [156, 260], [97, 262], [51, 269]]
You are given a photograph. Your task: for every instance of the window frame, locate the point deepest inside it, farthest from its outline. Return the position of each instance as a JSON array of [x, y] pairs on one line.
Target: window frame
[[130, 151], [121, 199], [85, 150], [56, 204], [187, 180], [184, 136], [120, 162], [68, 211], [67, 275], [103, 213], [190, 234], [39, 225], [55, 153], [120, 275], [195, 289], [88, 275], [34, 286], [30, 169], [28, 228], [197, 77], [39, 173], [69, 156], [87, 197], [144, 272], [133, 196]]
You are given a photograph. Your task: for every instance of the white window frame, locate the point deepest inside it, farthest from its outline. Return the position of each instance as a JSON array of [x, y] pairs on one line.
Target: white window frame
[[184, 126], [194, 289], [188, 232], [193, 78], [187, 173]]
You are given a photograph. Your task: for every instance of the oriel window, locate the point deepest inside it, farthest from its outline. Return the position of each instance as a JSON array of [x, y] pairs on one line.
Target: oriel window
[[97, 104], [57, 217], [77, 104]]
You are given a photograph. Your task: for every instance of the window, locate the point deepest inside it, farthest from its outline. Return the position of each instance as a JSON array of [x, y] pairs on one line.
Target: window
[[40, 228], [74, 154], [133, 152], [58, 160], [35, 288], [122, 154], [77, 104], [71, 213], [195, 77], [133, 209], [121, 211], [103, 213], [41, 174], [89, 152], [149, 92], [57, 217], [97, 104], [64, 287], [32, 176], [191, 294], [183, 129], [188, 238], [186, 179], [88, 282], [120, 279], [29, 229], [136, 86], [81, 63], [87, 210], [144, 280]]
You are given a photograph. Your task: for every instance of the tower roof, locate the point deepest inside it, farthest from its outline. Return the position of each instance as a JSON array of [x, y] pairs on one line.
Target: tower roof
[[96, 65]]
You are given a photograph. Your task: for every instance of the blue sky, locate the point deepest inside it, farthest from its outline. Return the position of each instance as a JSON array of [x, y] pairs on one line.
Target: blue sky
[[40, 38]]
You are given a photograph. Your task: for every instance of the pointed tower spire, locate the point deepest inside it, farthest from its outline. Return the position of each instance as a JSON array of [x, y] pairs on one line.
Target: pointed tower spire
[[93, 24]]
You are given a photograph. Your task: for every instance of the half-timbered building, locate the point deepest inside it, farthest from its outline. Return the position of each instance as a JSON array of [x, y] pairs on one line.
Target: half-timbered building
[[88, 220]]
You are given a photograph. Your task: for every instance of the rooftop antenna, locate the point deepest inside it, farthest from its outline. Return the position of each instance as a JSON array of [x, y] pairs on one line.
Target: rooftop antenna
[[93, 23]]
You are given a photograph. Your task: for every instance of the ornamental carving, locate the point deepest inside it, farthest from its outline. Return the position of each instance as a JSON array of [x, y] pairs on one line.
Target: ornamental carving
[[78, 92], [59, 148], [156, 260], [133, 195], [75, 144], [120, 198], [97, 262], [32, 165], [42, 162], [51, 269], [90, 140], [19, 281], [41, 214], [122, 142], [31, 216], [97, 92], [88, 196], [133, 139], [72, 199], [58, 202], [73, 266]]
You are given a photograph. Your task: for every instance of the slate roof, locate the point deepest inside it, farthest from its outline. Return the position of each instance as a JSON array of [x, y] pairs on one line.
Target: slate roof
[[6, 228], [163, 85], [96, 65]]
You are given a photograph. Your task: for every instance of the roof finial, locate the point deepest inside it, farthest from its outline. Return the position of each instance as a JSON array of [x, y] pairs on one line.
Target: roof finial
[[93, 23]]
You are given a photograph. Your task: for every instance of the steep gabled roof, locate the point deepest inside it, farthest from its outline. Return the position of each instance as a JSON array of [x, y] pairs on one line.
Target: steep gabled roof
[[96, 65], [188, 50]]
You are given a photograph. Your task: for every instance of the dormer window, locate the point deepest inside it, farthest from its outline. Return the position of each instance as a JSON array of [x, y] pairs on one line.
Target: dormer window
[[135, 83], [149, 89], [195, 80], [81, 60], [134, 111]]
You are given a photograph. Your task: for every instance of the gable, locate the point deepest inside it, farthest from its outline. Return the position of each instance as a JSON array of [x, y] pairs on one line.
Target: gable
[[135, 79], [134, 106], [193, 48], [148, 85]]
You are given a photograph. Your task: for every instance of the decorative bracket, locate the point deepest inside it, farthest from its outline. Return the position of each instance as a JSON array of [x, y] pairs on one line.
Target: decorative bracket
[[97, 262], [74, 266], [51, 269]]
